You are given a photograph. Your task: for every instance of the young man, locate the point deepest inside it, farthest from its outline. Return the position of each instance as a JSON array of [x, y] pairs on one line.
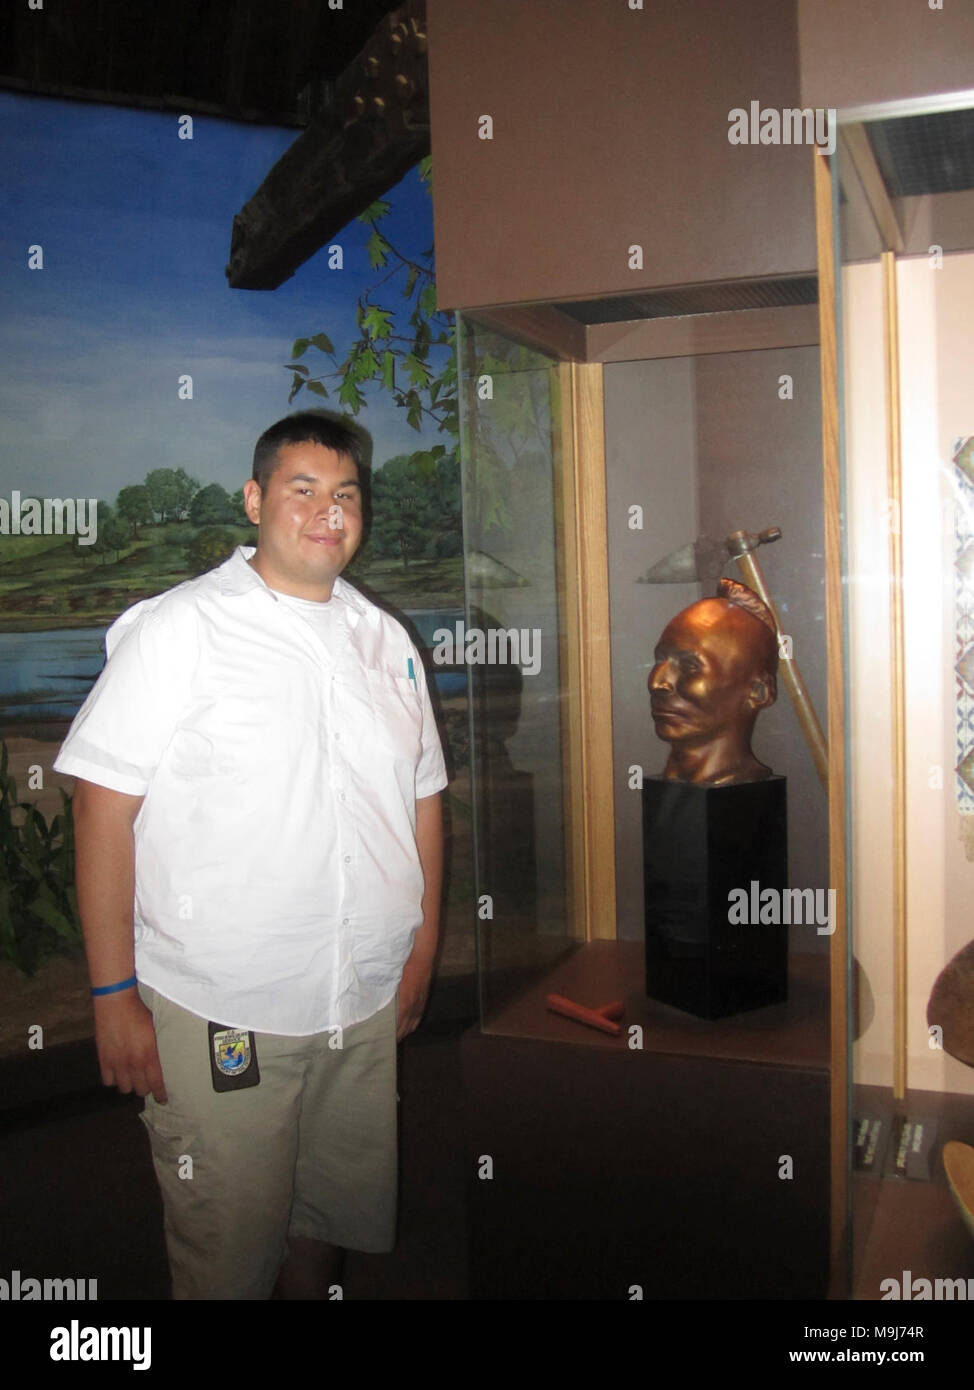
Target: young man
[[259, 856]]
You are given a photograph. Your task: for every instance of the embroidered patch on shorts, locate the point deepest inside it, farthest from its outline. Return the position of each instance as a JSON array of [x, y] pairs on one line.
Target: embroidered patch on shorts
[[233, 1058]]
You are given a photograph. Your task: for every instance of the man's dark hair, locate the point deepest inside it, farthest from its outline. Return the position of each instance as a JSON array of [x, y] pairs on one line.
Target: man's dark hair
[[304, 427]]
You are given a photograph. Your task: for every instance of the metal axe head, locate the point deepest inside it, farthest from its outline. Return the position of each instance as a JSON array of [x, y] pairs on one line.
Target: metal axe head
[[705, 559], [700, 561]]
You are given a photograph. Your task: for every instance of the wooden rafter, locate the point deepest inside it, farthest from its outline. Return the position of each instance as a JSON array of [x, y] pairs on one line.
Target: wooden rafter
[[375, 131]]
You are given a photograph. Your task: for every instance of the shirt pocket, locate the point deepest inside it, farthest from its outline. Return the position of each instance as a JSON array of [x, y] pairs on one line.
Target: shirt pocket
[[397, 715]]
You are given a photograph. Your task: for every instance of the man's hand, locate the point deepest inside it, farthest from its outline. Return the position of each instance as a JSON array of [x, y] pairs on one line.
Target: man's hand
[[414, 988], [126, 1042], [105, 879]]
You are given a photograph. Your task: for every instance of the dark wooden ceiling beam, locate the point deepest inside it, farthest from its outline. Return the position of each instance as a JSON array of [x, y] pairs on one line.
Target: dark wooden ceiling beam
[[247, 60], [350, 154]]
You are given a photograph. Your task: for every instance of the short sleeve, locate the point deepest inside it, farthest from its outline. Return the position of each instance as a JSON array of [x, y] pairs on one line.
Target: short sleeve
[[124, 726], [431, 773]]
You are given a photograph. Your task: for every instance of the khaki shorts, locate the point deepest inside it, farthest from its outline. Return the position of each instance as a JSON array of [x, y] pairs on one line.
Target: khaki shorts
[[310, 1151]]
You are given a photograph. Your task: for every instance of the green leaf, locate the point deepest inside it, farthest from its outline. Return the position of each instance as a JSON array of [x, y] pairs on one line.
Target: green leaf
[[351, 396], [32, 839], [377, 322], [322, 342], [366, 365], [388, 371], [427, 301], [411, 278], [378, 250], [425, 466], [376, 210], [45, 907], [301, 346], [297, 367], [39, 824], [29, 862], [296, 383], [419, 373], [317, 388]]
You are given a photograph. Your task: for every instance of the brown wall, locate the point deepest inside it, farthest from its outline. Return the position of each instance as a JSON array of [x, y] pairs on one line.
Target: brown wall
[[610, 128], [862, 52]]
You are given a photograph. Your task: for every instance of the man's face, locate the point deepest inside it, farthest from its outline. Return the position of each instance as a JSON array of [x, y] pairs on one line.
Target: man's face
[[705, 681], [310, 520]]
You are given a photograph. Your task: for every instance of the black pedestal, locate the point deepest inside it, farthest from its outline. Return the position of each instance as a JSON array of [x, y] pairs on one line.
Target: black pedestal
[[700, 844]]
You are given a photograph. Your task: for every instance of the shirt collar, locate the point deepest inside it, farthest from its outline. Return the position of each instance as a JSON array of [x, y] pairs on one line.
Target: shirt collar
[[235, 576]]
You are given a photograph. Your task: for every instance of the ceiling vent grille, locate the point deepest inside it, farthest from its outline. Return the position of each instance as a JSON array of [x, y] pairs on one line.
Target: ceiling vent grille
[[925, 154], [696, 299]]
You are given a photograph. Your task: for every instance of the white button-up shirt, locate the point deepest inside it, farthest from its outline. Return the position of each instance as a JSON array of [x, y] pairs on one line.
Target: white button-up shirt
[[278, 883]]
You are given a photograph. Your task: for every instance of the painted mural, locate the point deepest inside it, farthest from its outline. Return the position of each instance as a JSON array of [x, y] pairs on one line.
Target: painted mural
[[135, 386]]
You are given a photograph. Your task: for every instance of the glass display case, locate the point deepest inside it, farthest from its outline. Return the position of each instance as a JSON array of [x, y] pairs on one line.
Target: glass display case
[[512, 643], [902, 189], [814, 441], [606, 491]]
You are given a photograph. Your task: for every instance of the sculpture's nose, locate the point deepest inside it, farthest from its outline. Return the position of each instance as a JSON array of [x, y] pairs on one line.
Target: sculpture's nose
[[659, 677]]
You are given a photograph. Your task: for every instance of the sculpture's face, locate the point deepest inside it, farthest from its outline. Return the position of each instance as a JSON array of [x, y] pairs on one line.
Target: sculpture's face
[[707, 680]]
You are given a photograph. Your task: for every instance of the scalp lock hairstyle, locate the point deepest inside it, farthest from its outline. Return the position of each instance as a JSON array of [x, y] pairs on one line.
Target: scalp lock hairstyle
[[743, 597], [304, 427]]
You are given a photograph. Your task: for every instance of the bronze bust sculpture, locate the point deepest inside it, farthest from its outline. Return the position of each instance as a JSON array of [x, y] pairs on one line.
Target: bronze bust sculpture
[[715, 670]]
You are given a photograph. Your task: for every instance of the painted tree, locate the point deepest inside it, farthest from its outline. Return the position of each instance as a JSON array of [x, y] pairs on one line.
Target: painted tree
[[102, 510], [410, 350], [211, 507], [163, 490], [401, 508], [407, 349], [112, 536], [133, 505], [186, 490], [171, 490], [209, 548]]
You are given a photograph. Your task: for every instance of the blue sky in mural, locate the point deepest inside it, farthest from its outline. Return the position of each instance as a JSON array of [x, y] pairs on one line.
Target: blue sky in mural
[[135, 227]]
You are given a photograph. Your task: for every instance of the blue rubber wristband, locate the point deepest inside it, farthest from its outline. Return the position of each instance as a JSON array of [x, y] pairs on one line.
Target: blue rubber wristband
[[114, 989]]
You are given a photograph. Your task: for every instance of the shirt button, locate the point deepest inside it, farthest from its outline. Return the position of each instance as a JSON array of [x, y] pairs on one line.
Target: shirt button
[[344, 921], [348, 859]]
